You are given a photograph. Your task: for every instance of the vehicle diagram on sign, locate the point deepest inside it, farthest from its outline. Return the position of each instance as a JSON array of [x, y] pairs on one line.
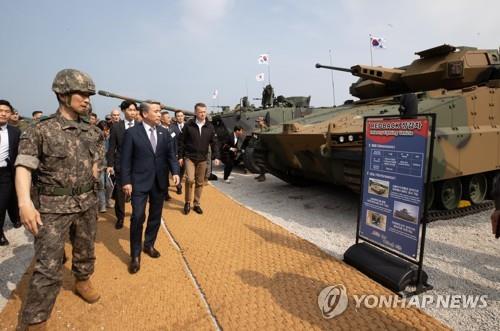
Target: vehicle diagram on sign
[[378, 187]]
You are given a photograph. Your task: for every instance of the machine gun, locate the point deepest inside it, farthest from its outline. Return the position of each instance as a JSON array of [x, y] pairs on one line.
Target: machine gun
[[163, 106]]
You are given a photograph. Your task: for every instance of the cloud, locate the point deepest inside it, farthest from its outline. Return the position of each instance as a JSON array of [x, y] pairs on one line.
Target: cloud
[[200, 16]]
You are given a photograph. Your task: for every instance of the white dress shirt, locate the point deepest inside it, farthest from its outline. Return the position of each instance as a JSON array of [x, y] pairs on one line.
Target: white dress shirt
[[127, 126], [200, 124], [147, 127], [4, 146]]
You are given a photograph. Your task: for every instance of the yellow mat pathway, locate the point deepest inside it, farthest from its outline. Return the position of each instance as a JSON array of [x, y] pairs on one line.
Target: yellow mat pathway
[[160, 297], [252, 273]]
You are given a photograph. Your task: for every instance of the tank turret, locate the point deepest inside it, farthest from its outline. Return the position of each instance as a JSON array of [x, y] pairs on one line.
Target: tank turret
[[444, 66]]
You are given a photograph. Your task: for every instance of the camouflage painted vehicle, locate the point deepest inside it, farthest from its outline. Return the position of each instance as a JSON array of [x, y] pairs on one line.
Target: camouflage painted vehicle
[[273, 110], [461, 85]]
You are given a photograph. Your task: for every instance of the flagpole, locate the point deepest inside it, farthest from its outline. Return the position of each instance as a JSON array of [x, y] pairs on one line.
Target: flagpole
[[371, 55], [331, 72], [269, 68]]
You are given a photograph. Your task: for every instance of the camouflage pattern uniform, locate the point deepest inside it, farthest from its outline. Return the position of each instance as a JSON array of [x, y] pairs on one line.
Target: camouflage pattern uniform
[[22, 125], [61, 154]]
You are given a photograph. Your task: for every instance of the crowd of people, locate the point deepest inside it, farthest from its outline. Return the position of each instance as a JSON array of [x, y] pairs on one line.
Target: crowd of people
[[57, 172]]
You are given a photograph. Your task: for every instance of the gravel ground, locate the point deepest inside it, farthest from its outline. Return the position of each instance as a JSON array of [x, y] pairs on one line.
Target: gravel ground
[[14, 259], [461, 255]]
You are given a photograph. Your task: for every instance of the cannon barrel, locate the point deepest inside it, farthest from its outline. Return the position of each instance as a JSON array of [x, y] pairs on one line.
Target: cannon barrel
[[163, 106], [334, 68], [378, 74]]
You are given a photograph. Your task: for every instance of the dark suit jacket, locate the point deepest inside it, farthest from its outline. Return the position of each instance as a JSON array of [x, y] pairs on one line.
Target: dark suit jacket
[[14, 134], [227, 144], [178, 134], [142, 167], [113, 155], [175, 128]]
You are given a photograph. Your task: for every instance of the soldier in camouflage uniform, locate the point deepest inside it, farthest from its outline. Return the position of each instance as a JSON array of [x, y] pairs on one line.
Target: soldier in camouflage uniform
[[63, 152]]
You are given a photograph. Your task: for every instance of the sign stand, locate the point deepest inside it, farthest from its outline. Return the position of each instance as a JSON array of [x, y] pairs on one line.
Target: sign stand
[[392, 217]]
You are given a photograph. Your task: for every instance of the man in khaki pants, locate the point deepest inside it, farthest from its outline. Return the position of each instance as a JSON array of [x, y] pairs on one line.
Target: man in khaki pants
[[197, 135]]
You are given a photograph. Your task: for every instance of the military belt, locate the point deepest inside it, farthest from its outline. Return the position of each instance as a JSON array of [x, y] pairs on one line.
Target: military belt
[[60, 191]]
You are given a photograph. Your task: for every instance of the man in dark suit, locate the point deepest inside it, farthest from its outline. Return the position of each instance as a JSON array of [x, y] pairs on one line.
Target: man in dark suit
[[229, 151], [176, 128], [113, 156], [9, 142], [148, 152], [166, 123]]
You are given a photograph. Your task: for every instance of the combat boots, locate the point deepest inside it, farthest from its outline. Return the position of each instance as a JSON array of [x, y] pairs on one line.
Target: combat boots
[[37, 327], [86, 291]]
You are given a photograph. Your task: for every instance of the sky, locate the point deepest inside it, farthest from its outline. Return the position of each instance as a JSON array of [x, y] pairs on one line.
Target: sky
[[179, 52]]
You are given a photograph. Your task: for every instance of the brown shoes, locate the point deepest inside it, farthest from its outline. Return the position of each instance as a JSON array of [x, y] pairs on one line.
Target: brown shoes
[[86, 291]]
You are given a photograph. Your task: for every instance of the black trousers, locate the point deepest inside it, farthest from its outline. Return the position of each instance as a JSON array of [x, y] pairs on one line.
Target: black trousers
[[119, 198], [8, 198], [228, 167], [139, 199], [181, 174]]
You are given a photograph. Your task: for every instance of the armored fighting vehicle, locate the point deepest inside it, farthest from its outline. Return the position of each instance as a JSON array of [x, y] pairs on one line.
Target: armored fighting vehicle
[[377, 187], [461, 85], [273, 110]]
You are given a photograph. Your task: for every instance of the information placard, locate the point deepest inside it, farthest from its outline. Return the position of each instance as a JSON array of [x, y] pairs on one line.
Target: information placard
[[394, 183]]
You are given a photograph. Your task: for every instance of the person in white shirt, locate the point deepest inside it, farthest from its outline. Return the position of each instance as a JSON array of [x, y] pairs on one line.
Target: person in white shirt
[[230, 151], [113, 155], [177, 127], [166, 122], [9, 142]]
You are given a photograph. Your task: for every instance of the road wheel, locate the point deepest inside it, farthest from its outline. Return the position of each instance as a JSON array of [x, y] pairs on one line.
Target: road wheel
[[475, 188], [449, 193]]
